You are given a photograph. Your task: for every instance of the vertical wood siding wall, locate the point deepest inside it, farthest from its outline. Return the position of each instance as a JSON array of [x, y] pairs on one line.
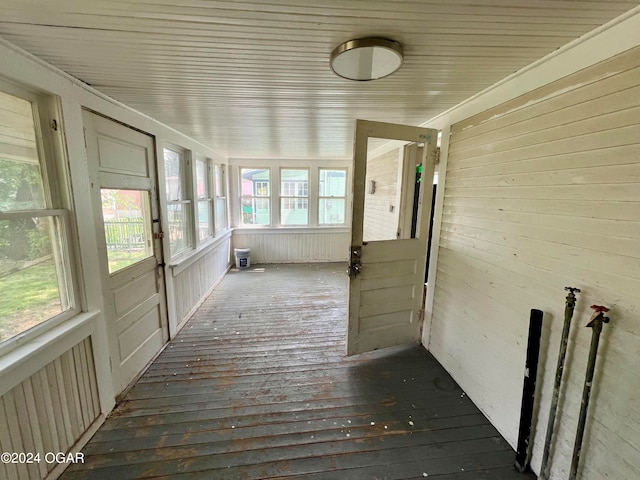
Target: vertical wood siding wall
[[379, 222], [544, 192], [49, 411], [282, 246], [195, 281]]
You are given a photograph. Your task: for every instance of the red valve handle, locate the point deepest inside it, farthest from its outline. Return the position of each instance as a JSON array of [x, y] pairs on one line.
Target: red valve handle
[[599, 308]]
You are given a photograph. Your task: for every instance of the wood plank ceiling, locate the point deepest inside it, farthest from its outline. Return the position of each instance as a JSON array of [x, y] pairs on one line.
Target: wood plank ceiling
[[252, 78]]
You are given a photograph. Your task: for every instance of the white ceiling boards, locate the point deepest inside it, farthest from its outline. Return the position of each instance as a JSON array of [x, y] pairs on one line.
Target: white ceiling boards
[[252, 79]]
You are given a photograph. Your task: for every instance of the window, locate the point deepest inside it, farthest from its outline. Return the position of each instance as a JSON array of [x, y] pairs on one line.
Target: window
[[35, 269], [205, 199], [178, 203], [127, 227], [294, 196], [256, 196], [332, 197], [221, 199]]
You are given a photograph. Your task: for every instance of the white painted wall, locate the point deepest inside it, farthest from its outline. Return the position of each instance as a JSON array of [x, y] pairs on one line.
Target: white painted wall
[[541, 178], [382, 206], [294, 245]]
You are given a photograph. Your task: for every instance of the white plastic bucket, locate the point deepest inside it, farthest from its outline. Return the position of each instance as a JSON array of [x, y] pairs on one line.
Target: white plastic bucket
[[242, 257]]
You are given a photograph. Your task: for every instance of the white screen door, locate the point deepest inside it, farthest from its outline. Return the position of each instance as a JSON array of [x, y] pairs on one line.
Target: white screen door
[[126, 203], [387, 264]]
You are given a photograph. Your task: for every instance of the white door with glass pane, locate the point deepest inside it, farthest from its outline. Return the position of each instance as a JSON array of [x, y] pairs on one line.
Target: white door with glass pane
[[387, 266], [126, 202]]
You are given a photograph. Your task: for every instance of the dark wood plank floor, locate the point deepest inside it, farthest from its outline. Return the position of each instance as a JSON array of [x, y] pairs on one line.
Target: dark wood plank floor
[[256, 386]]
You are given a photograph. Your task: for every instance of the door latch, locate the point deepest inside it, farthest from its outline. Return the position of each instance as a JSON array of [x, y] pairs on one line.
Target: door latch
[[355, 261]]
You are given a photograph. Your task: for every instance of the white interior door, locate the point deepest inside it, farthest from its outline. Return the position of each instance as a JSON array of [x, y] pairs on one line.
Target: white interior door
[[387, 267], [125, 199]]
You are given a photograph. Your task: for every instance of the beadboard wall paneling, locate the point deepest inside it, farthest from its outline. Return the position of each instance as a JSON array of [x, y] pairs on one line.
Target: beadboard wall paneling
[[193, 283], [291, 246], [49, 411], [543, 192]]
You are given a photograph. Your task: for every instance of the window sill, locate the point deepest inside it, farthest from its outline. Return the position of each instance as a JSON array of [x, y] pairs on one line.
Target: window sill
[[291, 229], [187, 259], [25, 360]]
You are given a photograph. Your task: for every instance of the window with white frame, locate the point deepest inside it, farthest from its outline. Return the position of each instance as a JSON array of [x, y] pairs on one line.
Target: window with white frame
[[332, 196], [294, 196], [256, 196], [176, 167], [220, 182], [205, 198], [36, 281]]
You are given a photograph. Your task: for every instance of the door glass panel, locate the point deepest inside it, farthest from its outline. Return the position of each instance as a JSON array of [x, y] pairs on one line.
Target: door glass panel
[[392, 188], [127, 227]]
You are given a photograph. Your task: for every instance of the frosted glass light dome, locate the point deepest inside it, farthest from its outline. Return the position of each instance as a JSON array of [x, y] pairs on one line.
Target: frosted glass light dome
[[367, 58]]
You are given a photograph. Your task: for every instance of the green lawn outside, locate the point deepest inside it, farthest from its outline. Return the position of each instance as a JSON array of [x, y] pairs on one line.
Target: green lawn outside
[[119, 259], [27, 297]]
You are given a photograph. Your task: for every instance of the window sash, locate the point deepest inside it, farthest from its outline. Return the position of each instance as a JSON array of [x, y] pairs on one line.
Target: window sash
[[204, 186], [175, 188], [202, 177], [220, 215], [256, 206], [340, 198], [294, 196], [57, 235], [205, 221], [180, 238], [48, 203]]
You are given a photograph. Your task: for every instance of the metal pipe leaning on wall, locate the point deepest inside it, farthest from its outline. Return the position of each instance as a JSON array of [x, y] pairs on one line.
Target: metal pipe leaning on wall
[[570, 303], [528, 390], [595, 323]]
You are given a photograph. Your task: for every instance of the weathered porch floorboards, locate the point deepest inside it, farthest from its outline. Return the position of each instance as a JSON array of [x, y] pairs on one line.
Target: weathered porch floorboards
[[256, 386]]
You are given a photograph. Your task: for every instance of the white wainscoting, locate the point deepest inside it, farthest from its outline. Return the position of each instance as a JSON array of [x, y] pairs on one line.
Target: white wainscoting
[[290, 245], [49, 411], [193, 281]]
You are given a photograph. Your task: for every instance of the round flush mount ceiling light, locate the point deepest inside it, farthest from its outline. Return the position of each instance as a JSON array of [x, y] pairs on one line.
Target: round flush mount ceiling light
[[367, 58]]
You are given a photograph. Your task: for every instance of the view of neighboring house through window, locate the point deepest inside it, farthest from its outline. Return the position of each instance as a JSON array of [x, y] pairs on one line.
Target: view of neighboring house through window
[[332, 197], [205, 200], [178, 203], [256, 193], [35, 272], [221, 199], [294, 196]]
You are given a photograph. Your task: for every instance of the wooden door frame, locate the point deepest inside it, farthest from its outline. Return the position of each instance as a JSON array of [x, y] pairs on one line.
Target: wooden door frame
[[105, 276]]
